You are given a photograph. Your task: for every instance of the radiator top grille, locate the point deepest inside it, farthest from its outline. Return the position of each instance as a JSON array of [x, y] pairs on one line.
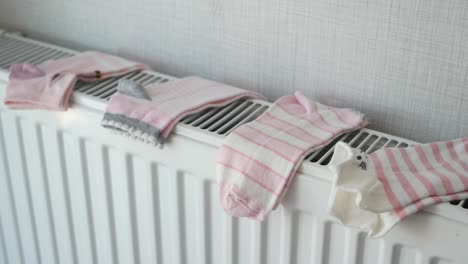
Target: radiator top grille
[[13, 50], [218, 121]]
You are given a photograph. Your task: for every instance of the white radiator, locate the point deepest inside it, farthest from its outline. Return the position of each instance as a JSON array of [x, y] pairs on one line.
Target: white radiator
[[71, 192]]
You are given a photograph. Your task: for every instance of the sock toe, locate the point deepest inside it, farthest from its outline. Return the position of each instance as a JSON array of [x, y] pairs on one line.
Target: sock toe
[[238, 205], [25, 71]]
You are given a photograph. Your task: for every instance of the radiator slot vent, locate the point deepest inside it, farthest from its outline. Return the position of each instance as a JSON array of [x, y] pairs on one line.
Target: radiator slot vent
[[222, 120], [13, 50], [365, 139]]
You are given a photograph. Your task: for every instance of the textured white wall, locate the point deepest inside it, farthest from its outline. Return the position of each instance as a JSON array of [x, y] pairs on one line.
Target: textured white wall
[[403, 63]]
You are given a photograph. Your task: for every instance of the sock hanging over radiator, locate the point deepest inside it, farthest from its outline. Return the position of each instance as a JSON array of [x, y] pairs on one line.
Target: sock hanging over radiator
[[49, 85], [376, 191], [258, 160], [150, 113]]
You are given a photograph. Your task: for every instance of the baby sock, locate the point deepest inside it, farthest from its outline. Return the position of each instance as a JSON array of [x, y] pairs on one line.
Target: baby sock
[[376, 191], [257, 160], [50, 84], [150, 113]]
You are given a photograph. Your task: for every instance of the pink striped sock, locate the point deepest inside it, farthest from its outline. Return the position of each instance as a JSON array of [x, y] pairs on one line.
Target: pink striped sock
[[49, 85], [151, 113], [377, 191], [258, 160]]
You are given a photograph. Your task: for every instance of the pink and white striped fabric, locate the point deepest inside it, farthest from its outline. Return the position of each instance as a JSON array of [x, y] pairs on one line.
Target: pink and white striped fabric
[[258, 160], [49, 85], [376, 191], [150, 113]]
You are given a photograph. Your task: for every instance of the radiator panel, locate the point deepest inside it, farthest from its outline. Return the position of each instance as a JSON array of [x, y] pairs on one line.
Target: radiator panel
[[77, 200], [71, 192]]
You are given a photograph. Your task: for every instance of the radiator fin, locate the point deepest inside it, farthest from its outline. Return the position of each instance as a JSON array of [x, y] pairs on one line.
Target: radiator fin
[[8, 216], [20, 189], [58, 188], [35, 156], [97, 162]]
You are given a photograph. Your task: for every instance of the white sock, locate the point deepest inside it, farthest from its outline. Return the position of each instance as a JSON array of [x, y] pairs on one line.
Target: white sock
[[376, 191]]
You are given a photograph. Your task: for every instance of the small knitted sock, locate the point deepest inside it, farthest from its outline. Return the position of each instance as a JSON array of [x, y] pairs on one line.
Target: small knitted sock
[[49, 85], [376, 191], [257, 160], [150, 113]]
